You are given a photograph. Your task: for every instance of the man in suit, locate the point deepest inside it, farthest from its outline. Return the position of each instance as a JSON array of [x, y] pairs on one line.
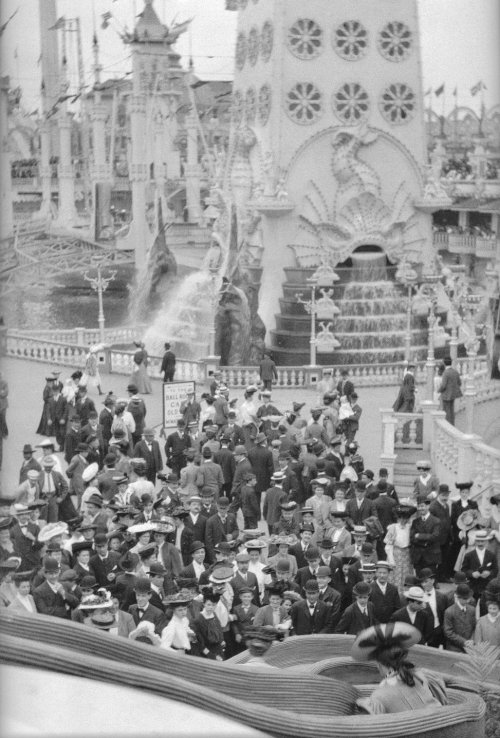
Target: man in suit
[[24, 537], [415, 613], [94, 512], [306, 573], [220, 527], [182, 537], [424, 537], [106, 418], [326, 556], [167, 367], [344, 580], [334, 459], [405, 401], [299, 549], [291, 485], [104, 564], [209, 473], [268, 371], [149, 450], [311, 615], [359, 508], [50, 597], [196, 521], [225, 459], [244, 615], [384, 596], [176, 443], [53, 489], [261, 459], [137, 408], [480, 565], [197, 566], [460, 621], [244, 579], [75, 470], [275, 497], [440, 508], [233, 431], [328, 594], [83, 405], [167, 553], [73, 437], [450, 389], [156, 574], [241, 469], [28, 463], [359, 615], [190, 409], [143, 610]]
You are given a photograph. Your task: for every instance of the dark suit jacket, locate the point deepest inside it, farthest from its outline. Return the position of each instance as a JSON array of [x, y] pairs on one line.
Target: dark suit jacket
[[458, 627], [31, 464], [261, 459], [50, 603], [384, 605], [333, 599], [471, 564], [423, 622], [198, 528], [450, 388], [238, 583], [303, 575], [101, 569], [105, 421], [425, 549], [305, 624], [240, 470], [216, 531], [225, 459], [176, 445], [151, 614], [357, 516], [189, 572], [443, 514], [152, 458], [28, 550], [243, 619], [124, 590], [236, 434], [296, 550], [84, 407], [384, 506], [353, 621]]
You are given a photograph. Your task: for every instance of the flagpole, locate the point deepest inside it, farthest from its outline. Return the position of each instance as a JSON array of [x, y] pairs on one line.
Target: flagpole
[[442, 112], [481, 116], [455, 123]]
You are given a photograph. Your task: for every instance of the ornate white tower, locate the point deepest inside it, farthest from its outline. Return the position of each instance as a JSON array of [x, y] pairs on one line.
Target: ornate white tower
[[331, 91], [155, 98]]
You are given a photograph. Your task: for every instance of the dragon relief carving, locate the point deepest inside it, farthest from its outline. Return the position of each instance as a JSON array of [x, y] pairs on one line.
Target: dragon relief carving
[[357, 215]]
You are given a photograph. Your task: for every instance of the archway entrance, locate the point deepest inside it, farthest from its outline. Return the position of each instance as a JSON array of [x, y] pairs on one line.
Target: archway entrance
[[368, 263]]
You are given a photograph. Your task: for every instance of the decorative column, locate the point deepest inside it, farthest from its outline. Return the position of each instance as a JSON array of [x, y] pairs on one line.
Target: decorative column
[[456, 287], [138, 177], [472, 344], [192, 169], [7, 219], [67, 211], [99, 170], [45, 171]]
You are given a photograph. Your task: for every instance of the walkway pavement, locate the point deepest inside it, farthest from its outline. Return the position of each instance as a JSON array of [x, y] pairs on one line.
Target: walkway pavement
[[26, 380]]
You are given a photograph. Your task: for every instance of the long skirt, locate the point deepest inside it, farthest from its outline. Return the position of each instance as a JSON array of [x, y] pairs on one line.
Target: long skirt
[[402, 567], [141, 380]]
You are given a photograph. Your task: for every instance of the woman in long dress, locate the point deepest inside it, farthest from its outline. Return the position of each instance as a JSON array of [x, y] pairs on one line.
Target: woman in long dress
[[140, 376], [91, 370], [397, 546], [45, 426], [403, 687]]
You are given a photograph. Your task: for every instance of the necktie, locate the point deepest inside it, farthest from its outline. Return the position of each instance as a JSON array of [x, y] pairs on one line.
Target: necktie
[[141, 613], [48, 482], [365, 613]]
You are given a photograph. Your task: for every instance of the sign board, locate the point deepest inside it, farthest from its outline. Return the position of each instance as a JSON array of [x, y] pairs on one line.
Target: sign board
[[174, 393]]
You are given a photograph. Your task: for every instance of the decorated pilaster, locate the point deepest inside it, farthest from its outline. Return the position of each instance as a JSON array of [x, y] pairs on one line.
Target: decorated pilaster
[[138, 173], [192, 169], [45, 168], [7, 219]]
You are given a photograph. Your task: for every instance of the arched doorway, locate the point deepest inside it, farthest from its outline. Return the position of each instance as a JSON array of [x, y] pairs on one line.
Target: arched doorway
[[368, 263]]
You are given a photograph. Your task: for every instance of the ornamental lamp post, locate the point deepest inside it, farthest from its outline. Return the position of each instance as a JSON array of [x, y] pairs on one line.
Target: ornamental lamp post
[[99, 283], [456, 287], [324, 277], [429, 291], [475, 332], [408, 277]]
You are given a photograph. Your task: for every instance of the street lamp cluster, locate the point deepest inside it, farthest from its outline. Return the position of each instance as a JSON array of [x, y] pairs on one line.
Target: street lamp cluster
[[321, 308], [100, 284]]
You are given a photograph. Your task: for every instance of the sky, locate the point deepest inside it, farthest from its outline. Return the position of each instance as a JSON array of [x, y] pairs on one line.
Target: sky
[[459, 42]]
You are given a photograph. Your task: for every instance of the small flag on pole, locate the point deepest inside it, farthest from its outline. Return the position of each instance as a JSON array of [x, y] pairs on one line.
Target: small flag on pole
[[58, 24], [477, 88], [439, 91], [428, 92]]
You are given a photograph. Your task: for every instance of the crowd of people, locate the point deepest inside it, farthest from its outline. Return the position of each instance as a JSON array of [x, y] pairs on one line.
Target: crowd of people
[[251, 516]]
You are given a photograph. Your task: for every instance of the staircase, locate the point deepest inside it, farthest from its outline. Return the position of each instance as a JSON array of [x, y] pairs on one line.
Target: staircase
[[371, 326]]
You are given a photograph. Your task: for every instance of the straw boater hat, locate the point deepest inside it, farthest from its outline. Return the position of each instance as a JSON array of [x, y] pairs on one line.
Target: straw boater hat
[[470, 519], [377, 637], [51, 530]]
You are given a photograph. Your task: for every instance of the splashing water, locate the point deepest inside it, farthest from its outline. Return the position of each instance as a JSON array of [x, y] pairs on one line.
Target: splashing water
[[184, 319]]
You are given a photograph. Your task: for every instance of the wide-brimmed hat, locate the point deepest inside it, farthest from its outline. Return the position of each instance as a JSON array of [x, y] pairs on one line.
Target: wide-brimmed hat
[[464, 485], [221, 575], [139, 528], [265, 633], [415, 593], [179, 599], [254, 543], [51, 530], [369, 641], [90, 472], [27, 449], [404, 511], [470, 519]]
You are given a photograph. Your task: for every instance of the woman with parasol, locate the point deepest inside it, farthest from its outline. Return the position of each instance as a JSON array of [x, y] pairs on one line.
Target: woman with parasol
[[403, 687]]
